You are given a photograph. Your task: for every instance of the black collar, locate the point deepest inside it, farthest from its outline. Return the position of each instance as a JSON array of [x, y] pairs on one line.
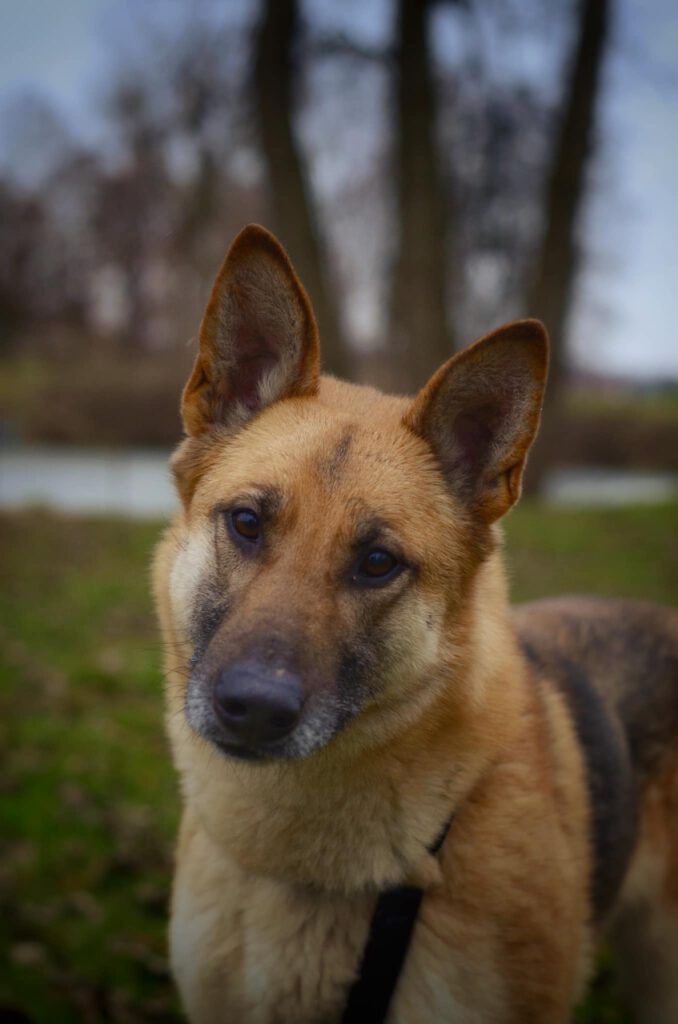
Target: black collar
[[389, 938]]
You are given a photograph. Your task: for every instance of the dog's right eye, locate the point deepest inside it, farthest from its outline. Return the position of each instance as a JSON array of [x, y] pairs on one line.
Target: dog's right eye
[[246, 524], [377, 567]]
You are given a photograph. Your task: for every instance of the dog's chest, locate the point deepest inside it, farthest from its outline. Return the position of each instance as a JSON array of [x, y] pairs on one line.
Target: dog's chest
[[246, 948], [300, 954], [262, 951]]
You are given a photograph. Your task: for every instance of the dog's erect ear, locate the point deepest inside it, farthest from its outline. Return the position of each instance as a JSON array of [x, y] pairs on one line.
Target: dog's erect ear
[[258, 337], [480, 414]]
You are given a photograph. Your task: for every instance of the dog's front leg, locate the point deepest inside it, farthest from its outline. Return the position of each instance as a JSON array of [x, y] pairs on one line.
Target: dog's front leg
[[205, 940]]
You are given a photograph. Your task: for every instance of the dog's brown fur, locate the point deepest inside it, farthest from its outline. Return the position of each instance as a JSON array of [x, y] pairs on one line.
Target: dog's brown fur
[[422, 697]]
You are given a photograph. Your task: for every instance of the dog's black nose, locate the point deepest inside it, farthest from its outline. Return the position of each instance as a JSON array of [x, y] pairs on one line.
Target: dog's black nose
[[256, 704]]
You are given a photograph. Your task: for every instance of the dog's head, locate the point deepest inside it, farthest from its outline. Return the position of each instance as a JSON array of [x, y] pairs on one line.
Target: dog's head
[[330, 534]]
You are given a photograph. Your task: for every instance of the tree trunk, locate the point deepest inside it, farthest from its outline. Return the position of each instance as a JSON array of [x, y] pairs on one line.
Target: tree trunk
[[291, 203], [550, 291], [419, 329]]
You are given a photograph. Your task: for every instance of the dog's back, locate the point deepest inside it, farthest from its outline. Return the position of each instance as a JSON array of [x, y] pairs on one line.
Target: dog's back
[[616, 662], [629, 651]]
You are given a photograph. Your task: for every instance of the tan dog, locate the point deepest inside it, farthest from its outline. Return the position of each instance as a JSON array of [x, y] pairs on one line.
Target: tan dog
[[343, 673]]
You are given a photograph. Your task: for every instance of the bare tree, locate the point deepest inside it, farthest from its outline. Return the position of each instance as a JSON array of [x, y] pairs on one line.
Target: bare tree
[[419, 329], [550, 291], [130, 202], [291, 204], [22, 230]]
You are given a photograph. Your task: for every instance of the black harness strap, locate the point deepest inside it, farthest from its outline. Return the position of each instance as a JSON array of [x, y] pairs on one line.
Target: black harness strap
[[389, 938]]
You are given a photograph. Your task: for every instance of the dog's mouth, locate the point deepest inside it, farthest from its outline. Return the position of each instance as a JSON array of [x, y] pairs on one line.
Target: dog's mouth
[[288, 732], [246, 752]]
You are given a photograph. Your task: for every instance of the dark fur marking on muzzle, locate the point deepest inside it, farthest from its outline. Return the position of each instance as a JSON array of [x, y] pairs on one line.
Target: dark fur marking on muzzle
[[211, 613]]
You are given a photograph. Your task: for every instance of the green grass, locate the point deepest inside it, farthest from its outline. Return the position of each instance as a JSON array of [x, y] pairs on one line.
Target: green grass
[[625, 552], [88, 802], [21, 380]]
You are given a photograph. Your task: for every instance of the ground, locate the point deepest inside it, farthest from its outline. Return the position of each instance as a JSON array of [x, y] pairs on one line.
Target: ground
[[88, 802]]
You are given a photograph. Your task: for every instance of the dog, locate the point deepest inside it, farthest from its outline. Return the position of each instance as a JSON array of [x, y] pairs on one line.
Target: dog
[[346, 684]]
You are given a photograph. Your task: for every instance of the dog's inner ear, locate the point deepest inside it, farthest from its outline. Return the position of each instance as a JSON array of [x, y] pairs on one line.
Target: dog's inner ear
[[480, 414], [258, 338]]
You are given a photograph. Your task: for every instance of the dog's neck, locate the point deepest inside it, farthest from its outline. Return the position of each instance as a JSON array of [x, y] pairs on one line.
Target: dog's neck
[[347, 820]]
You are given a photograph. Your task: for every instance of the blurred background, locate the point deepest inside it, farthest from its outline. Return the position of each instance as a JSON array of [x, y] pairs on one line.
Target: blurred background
[[434, 169]]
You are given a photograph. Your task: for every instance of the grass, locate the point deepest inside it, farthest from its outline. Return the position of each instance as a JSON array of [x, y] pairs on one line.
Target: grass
[[630, 552], [88, 802]]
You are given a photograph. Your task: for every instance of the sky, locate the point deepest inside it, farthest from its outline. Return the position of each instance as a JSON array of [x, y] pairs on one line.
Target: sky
[[632, 225], [627, 301], [51, 46]]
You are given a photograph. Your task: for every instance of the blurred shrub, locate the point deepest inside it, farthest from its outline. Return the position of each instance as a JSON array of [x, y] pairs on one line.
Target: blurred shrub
[[626, 439], [122, 401], [135, 401]]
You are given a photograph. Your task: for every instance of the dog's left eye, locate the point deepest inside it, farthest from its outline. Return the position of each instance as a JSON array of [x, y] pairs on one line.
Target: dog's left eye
[[377, 566]]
